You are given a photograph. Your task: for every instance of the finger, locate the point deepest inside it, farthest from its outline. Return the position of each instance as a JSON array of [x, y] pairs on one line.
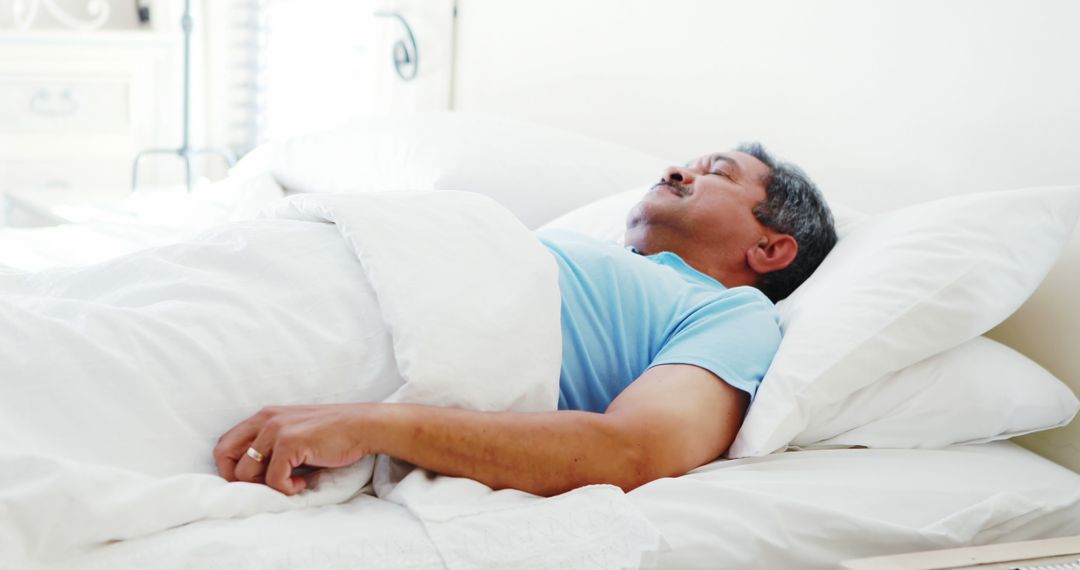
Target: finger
[[279, 471], [231, 446], [247, 469], [226, 467]]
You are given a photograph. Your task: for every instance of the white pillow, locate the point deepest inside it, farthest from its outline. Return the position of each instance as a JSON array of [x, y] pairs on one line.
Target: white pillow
[[604, 219], [536, 172], [901, 287], [977, 392]]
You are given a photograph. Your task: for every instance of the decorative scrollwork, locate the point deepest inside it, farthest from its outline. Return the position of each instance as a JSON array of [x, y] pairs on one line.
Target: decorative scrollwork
[[25, 12], [406, 54]]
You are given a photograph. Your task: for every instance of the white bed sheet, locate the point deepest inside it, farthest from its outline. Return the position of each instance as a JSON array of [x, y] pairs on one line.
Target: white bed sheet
[[812, 509], [102, 230], [68, 245], [805, 509]]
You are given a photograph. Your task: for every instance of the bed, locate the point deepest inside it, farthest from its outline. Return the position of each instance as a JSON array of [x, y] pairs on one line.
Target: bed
[[827, 498], [914, 455]]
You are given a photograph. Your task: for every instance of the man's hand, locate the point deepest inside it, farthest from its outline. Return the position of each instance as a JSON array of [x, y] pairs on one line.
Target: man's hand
[[288, 437]]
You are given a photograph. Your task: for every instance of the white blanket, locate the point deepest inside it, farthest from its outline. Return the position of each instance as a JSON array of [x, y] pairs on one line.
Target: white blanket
[[118, 378]]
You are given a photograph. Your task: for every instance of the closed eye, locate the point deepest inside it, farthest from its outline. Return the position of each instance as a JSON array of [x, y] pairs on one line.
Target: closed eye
[[721, 173]]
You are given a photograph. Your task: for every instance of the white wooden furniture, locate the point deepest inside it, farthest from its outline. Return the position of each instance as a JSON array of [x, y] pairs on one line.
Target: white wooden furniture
[[75, 107], [1051, 554]]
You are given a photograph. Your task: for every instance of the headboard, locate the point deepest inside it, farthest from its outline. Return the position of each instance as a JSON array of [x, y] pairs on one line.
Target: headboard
[[884, 103]]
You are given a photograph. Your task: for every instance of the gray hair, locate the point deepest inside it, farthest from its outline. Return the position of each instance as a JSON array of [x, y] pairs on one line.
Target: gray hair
[[793, 205]]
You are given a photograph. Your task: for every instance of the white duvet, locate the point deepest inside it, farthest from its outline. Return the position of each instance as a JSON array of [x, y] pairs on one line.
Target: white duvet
[[117, 379]]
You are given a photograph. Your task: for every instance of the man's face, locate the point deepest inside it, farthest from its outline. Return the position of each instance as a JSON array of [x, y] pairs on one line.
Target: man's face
[[704, 208]]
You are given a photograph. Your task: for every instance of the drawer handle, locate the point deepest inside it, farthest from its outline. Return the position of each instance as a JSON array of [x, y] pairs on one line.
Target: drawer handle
[[54, 104]]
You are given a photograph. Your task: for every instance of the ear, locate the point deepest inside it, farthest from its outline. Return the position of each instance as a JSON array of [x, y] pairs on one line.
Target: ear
[[772, 253]]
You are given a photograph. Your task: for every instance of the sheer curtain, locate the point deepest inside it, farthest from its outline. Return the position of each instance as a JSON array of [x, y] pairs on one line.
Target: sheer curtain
[[279, 68]]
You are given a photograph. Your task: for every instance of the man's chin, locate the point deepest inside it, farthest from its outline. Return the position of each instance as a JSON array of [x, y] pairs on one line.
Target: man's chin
[[635, 234], [635, 217]]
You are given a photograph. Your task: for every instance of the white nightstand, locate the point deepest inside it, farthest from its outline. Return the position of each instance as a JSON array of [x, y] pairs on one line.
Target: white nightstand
[[76, 106], [1050, 554]]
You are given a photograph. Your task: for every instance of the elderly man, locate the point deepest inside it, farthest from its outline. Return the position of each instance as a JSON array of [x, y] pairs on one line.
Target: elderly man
[[664, 345]]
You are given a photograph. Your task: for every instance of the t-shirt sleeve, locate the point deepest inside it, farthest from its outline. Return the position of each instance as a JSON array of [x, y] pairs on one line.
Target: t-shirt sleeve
[[734, 338]]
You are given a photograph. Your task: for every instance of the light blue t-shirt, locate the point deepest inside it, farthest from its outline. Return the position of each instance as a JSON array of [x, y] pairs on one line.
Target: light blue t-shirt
[[623, 313]]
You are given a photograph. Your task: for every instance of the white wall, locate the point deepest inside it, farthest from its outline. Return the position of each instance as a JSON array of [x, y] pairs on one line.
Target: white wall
[[911, 99]]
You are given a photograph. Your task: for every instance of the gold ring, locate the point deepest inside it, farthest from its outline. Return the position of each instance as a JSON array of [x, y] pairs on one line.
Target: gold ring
[[254, 454]]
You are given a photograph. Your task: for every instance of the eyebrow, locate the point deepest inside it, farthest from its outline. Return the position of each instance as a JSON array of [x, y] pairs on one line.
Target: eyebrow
[[715, 157], [726, 159]]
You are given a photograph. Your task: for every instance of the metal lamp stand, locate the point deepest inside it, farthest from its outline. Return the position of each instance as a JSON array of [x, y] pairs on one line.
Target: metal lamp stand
[[185, 151]]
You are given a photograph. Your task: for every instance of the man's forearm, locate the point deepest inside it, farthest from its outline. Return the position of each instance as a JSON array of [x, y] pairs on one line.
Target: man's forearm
[[672, 419], [545, 453]]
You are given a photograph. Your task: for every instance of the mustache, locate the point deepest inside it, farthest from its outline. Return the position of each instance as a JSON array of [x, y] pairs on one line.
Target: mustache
[[680, 189]]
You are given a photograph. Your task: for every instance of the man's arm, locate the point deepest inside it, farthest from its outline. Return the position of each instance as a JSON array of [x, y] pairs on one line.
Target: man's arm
[[672, 419]]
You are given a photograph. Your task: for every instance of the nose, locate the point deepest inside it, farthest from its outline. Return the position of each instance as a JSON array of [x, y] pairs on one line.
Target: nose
[[678, 175]]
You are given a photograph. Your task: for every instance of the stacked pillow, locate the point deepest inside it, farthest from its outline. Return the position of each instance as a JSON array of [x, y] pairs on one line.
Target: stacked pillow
[[902, 287], [977, 392]]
